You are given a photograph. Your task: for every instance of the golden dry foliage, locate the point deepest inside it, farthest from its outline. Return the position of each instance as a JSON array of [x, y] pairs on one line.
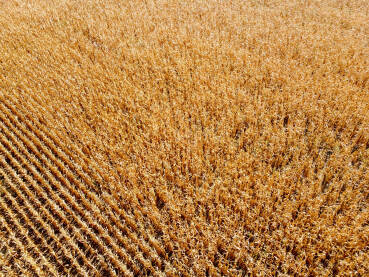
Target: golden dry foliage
[[184, 138]]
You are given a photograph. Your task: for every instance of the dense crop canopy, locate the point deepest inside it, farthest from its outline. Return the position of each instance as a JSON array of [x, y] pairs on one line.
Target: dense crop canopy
[[184, 138]]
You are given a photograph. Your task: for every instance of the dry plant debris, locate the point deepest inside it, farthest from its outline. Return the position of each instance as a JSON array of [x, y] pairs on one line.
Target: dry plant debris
[[184, 138]]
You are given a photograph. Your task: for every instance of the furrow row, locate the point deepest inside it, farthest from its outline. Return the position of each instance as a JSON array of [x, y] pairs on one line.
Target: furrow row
[[98, 230], [148, 235], [16, 185], [28, 241], [49, 180], [45, 196], [34, 229], [94, 198], [12, 252], [6, 268]]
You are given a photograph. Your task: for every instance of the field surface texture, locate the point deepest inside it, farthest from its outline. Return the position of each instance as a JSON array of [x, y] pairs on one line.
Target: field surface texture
[[184, 138]]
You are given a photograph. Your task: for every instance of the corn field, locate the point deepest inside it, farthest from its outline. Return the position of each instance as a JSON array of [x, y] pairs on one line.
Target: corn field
[[184, 138]]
